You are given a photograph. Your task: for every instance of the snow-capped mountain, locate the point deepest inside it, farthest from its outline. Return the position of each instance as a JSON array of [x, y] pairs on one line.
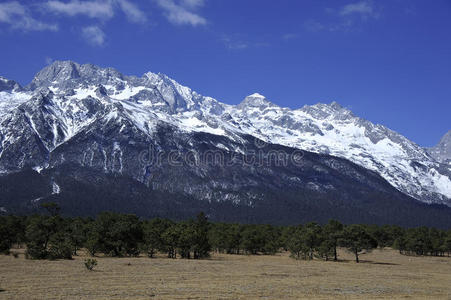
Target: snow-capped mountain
[[333, 129], [97, 117]]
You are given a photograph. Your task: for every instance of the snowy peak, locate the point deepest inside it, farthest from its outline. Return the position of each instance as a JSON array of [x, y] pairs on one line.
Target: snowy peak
[[8, 85], [255, 100], [445, 140], [68, 74], [56, 72], [442, 151], [11, 96], [157, 90], [338, 107], [257, 95], [177, 97], [324, 111]]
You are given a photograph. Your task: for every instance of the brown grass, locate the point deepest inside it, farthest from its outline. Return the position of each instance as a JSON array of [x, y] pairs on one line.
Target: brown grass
[[381, 274]]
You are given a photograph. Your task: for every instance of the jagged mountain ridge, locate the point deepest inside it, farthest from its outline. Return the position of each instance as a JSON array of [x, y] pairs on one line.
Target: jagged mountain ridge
[[66, 101]]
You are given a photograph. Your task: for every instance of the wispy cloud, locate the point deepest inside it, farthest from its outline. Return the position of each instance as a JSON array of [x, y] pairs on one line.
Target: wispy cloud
[[183, 12], [19, 17], [363, 8], [98, 9], [133, 13], [94, 35], [314, 26], [346, 18], [237, 42], [101, 10], [92, 9], [179, 12], [193, 3], [290, 36], [232, 44]]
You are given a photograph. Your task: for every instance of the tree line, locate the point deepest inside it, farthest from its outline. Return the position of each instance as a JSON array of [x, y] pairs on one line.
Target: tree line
[[50, 236]]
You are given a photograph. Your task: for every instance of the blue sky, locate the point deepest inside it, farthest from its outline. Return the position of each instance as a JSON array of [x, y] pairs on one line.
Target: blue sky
[[388, 61]]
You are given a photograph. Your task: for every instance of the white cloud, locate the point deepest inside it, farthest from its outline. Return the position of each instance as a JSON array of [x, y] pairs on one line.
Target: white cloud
[[100, 9], [96, 9], [93, 9], [19, 17], [181, 13], [133, 13], [94, 35], [363, 8]]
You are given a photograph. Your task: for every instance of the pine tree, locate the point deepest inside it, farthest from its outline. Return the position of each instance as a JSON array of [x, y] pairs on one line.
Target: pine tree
[[333, 231], [153, 236], [201, 245], [356, 239]]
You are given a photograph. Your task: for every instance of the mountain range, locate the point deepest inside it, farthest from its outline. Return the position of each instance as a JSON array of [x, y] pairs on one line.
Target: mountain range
[[92, 139]]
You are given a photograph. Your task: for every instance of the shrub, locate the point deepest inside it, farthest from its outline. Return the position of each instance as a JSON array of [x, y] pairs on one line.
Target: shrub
[[90, 263]]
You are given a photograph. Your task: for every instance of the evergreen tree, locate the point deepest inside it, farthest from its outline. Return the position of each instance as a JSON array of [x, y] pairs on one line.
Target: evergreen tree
[[171, 240], [6, 236], [447, 243], [186, 237], [115, 234], [153, 236], [12, 230], [296, 244], [201, 246], [77, 233], [381, 235], [60, 245], [252, 239], [311, 238], [217, 236], [305, 241], [38, 234], [356, 239], [333, 231], [286, 234], [401, 244], [272, 239], [326, 248]]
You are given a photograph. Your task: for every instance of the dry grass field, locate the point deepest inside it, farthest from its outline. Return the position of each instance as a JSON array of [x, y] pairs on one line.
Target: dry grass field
[[381, 274]]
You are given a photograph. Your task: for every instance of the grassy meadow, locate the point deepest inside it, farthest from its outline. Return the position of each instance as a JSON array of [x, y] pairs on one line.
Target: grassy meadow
[[382, 274]]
